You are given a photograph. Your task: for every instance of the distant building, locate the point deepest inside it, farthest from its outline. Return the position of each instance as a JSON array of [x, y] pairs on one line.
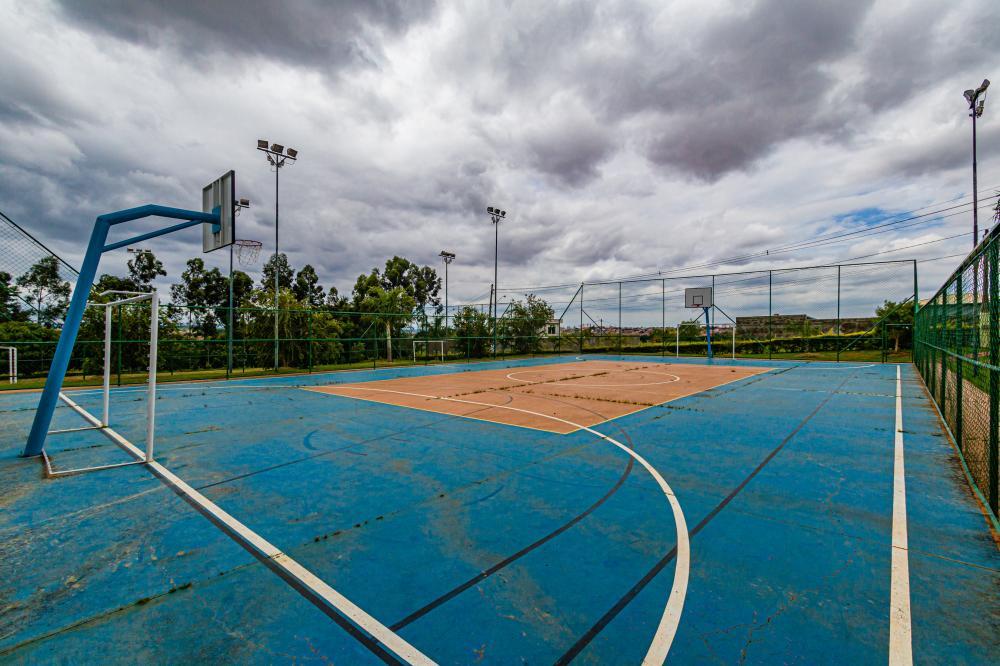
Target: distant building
[[552, 328]]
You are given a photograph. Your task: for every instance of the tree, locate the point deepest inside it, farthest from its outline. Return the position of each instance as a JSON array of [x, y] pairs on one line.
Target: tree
[[898, 320], [10, 309], [335, 301], [47, 291], [391, 308], [307, 288], [473, 326], [420, 282], [143, 269], [242, 288], [203, 291], [285, 273], [524, 321]]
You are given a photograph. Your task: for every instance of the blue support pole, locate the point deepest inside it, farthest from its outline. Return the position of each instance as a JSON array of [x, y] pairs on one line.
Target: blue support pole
[[74, 316], [708, 333]]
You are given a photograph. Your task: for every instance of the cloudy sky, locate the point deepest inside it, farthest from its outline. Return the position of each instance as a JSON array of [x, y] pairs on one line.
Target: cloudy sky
[[623, 138]]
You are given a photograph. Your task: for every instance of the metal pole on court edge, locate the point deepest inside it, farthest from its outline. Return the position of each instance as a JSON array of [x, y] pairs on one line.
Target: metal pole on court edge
[[838, 313], [770, 331], [229, 334]]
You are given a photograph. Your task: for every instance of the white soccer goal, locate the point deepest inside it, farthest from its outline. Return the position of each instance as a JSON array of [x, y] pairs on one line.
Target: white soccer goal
[[428, 347], [103, 424], [11, 364]]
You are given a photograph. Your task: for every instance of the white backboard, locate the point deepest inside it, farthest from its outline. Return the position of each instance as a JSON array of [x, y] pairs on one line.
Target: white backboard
[[220, 194], [698, 297]]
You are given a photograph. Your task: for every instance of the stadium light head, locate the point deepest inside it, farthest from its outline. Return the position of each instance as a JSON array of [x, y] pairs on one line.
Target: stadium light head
[[291, 152], [969, 94], [489, 209], [503, 213], [979, 109], [984, 86], [277, 147], [245, 203], [262, 144], [447, 255]]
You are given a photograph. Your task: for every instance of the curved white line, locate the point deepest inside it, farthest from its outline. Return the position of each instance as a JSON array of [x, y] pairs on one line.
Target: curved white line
[[648, 372], [667, 628], [837, 367]]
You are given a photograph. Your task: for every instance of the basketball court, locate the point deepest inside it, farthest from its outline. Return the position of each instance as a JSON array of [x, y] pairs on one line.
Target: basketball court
[[586, 509]]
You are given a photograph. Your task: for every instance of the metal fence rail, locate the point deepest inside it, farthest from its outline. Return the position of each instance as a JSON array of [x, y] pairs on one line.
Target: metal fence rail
[[957, 352]]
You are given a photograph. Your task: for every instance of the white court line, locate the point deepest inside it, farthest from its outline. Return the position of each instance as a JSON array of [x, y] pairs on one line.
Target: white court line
[[290, 567], [648, 372], [667, 628], [900, 632]]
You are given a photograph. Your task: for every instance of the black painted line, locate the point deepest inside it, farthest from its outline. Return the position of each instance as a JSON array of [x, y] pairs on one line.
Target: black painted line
[[606, 619]]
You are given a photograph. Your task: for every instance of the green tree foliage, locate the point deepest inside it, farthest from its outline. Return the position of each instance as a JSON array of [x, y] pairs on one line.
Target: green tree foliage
[[47, 292], [473, 327], [242, 289], [420, 282], [307, 288], [898, 319], [285, 273], [143, 268], [336, 302], [10, 307], [207, 291], [388, 308], [524, 322]]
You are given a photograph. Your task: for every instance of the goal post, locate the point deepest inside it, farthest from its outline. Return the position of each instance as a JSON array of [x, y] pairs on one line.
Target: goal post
[[428, 347], [103, 423], [11, 363]]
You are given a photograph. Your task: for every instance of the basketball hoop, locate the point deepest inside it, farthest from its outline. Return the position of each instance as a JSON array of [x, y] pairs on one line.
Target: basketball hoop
[[247, 251]]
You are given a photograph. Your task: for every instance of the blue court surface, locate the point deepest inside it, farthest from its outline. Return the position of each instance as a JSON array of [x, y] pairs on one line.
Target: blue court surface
[[284, 525]]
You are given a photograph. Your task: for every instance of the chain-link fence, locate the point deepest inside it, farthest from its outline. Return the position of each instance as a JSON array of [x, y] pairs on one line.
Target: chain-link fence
[[957, 352], [816, 313]]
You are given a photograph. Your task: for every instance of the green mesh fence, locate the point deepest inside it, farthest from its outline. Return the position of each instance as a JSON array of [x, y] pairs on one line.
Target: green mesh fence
[[957, 351]]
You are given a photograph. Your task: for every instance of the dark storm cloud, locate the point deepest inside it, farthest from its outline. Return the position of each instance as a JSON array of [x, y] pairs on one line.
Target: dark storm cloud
[[571, 153], [751, 82], [314, 33]]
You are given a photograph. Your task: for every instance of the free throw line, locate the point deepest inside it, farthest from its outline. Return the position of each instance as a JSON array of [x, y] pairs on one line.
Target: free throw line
[[900, 632]]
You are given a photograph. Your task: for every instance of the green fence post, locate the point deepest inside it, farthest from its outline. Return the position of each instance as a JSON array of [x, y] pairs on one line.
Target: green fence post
[[960, 359], [993, 472], [943, 369], [309, 336], [770, 332]]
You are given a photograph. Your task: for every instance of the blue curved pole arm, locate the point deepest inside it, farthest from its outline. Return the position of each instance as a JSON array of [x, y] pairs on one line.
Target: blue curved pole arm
[[74, 316]]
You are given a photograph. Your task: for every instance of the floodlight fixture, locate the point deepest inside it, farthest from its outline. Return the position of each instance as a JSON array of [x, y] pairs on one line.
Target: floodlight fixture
[[969, 94], [262, 144], [489, 209], [496, 214], [244, 203], [982, 88], [503, 213], [277, 148], [447, 256], [291, 152]]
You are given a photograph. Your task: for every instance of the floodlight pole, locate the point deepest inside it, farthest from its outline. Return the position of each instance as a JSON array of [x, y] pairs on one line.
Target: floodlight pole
[[276, 157], [972, 96], [448, 258], [496, 215]]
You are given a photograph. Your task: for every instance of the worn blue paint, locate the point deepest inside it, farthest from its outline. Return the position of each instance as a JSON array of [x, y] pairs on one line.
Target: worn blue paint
[[395, 507], [81, 292]]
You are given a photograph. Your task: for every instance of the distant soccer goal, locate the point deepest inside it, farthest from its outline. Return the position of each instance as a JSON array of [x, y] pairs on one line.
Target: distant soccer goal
[[427, 349], [11, 363]]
